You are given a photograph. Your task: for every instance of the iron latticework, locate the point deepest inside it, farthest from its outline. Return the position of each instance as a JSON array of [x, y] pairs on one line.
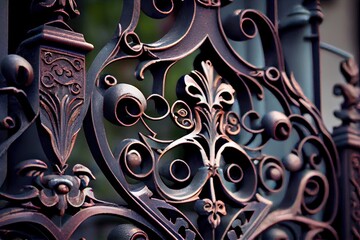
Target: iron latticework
[[250, 157]]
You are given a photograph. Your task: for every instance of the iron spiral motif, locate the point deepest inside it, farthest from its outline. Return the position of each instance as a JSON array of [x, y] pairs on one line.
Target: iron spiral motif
[[236, 172]]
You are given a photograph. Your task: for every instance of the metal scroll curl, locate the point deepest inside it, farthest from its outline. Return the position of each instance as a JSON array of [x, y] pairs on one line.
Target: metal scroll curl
[[237, 171]]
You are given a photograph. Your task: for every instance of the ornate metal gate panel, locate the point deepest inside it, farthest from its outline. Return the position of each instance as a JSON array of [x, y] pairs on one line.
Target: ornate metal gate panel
[[237, 167]]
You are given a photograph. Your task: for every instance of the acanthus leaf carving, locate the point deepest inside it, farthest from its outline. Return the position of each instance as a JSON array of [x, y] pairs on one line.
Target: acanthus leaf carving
[[53, 191], [62, 95], [55, 11]]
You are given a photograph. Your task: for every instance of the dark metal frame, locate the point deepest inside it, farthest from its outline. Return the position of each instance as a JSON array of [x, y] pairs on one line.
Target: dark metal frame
[[241, 169]]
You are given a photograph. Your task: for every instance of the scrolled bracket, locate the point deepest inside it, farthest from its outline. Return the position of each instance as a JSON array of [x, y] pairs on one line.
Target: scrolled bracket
[[350, 91]]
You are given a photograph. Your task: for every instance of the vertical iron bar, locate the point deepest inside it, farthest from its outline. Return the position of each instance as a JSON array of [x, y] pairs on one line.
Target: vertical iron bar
[[294, 28], [272, 11], [316, 18], [4, 27], [4, 6]]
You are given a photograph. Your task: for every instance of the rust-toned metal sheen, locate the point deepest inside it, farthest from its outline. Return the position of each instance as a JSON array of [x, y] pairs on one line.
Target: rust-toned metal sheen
[[250, 157]]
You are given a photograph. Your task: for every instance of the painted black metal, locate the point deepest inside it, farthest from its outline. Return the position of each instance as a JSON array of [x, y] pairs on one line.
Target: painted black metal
[[3, 99]]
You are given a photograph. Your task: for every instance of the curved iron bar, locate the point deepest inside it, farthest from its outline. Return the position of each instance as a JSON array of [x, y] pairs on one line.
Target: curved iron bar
[[236, 172]]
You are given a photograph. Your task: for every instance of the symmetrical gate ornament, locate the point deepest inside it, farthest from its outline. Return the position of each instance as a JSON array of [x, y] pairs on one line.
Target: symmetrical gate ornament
[[241, 169]]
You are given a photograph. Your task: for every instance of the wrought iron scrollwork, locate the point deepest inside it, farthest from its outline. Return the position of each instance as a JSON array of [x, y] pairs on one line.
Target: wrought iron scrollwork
[[236, 170], [218, 176]]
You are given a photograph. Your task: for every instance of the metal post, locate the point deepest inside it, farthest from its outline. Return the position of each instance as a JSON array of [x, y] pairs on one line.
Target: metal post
[[347, 139], [299, 35], [4, 5], [316, 18]]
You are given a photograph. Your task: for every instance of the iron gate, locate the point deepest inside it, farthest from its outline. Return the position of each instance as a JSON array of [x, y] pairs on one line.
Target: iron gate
[[230, 149]]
